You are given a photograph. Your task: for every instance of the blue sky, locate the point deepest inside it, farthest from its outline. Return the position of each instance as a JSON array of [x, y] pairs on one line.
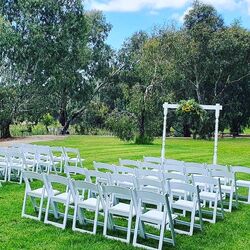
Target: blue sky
[[129, 16]]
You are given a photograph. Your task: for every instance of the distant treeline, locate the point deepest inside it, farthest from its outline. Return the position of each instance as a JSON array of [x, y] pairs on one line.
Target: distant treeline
[[55, 62]]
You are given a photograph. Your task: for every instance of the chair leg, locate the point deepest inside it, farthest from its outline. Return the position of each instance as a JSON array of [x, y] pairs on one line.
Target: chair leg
[[136, 230], [47, 211], [96, 220], [9, 173], [162, 234], [230, 202], [65, 215], [75, 217], [192, 222], [24, 204], [248, 196], [129, 228], [215, 210], [105, 222], [40, 208]]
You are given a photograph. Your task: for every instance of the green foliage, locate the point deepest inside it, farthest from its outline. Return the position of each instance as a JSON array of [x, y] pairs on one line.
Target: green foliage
[[93, 119], [47, 120], [122, 125], [191, 115]]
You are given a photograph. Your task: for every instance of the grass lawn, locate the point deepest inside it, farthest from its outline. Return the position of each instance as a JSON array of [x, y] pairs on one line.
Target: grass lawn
[[231, 233]]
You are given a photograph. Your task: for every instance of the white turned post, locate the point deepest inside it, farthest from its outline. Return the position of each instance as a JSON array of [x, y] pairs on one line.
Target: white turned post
[[217, 114], [165, 107]]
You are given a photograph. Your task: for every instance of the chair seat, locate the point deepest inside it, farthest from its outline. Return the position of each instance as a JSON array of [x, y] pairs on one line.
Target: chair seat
[[121, 209], [184, 205], [90, 203], [74, 159], [17, 165], [62, 197], [204, 195], [200, 184], [151, 177], [154, 216], [125, 184], [176, 181], [58, 158], [151, 188], [227, 189], [38, 192], [243, 183]]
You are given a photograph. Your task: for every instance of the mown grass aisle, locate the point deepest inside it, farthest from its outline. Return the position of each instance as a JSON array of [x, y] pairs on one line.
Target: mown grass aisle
[[232, 233]]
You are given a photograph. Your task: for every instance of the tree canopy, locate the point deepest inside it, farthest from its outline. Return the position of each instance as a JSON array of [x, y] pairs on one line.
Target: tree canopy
[[55, 60]]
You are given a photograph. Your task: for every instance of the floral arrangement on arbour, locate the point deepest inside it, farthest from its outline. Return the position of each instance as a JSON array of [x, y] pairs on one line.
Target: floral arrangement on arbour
[[191, 116]]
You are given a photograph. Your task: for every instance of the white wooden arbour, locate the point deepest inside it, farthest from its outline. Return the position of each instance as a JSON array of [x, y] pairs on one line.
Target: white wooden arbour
[[216, 108]]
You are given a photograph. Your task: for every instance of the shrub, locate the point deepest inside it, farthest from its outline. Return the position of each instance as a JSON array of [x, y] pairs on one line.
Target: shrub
[[122, 125]]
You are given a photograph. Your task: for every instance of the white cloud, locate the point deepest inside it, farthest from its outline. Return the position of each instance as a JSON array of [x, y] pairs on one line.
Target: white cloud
[[154, 5], [248, 6], [135, 5], [181, 18]]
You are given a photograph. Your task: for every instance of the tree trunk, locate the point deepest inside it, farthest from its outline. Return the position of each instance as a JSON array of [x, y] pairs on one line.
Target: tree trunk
[[142, 124], [63, 116], [66, 127], [186, 131], [63, 108], [5, 129]]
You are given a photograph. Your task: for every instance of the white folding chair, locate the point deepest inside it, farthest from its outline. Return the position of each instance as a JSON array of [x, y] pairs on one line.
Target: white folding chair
[[100, 166], [58, 156], [173, 162], [125, 170], [118, 209], [34, 194], [98, 176], [151, 166], [30, 155], [64, 197], [193, 170], [149, 174], [196, 171], [242, 183], [218, 167], [78, 188], [174, 168], [130, 163], [3, 164], [228, 187], [151, 159], [71, 172], [72, 156], [123, 180], [190, 202], [147, 214], [179, 178], [211, 192], [45, 162], [17, 164], [151, 185], [194, 165]]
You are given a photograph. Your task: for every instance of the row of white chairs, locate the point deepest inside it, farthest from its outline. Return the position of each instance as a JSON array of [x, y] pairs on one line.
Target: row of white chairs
[[227, 179], [229, 176], [113, 199], [178, 187], [19, 157]]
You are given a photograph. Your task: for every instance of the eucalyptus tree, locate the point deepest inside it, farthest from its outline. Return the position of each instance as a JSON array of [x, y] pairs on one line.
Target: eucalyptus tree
[[61, 50]]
